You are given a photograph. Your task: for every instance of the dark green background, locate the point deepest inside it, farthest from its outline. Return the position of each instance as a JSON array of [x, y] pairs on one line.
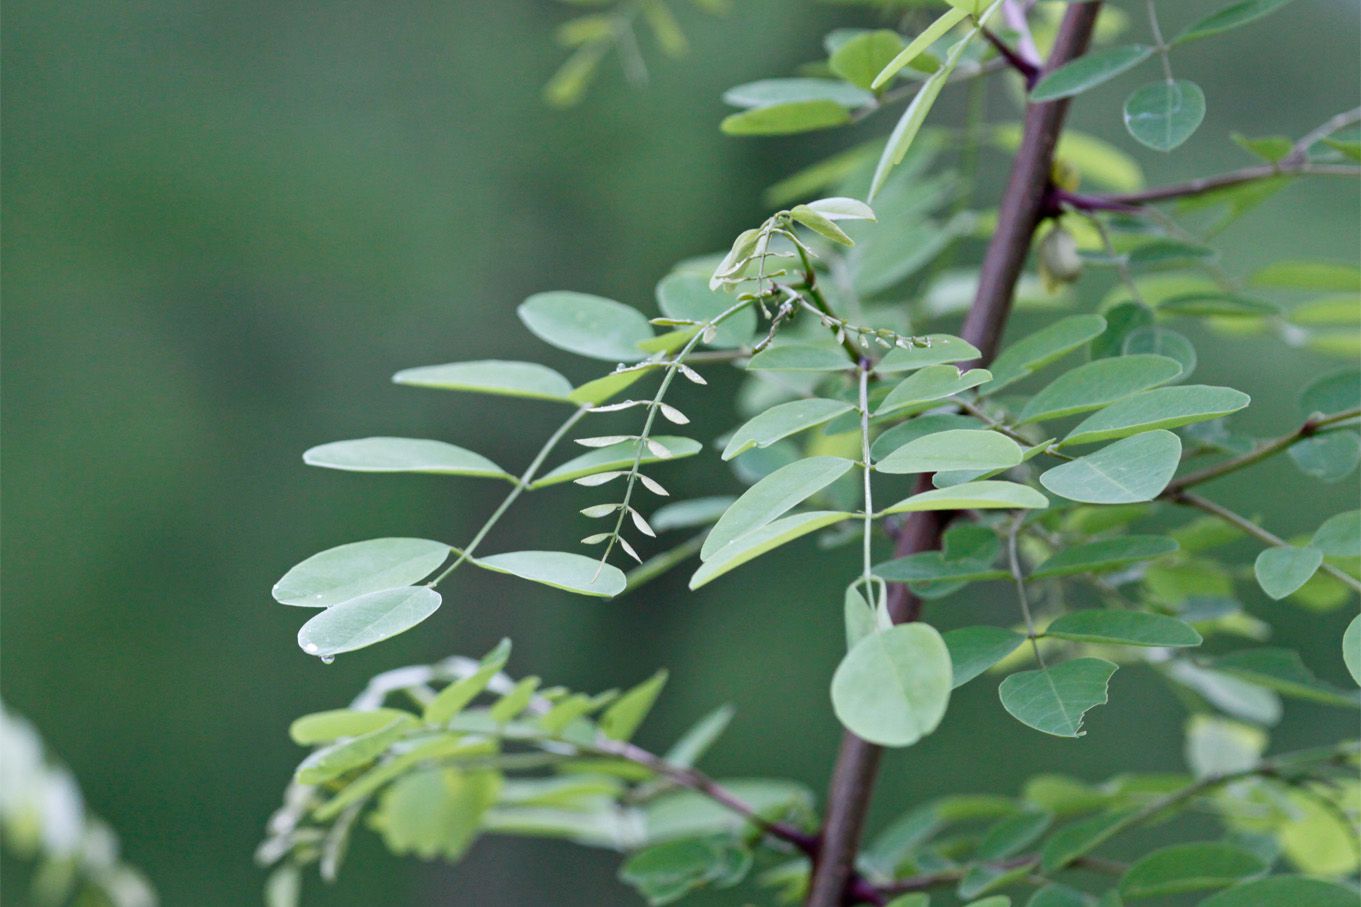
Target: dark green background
[[226, 225]]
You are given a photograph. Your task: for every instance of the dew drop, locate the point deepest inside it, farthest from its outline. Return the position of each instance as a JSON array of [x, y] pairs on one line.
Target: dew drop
[[327, 659]]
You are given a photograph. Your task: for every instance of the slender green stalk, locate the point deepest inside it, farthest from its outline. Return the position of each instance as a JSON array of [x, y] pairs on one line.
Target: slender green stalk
[[1018, 578], [1257, 532], [867, 469], [521, 484]]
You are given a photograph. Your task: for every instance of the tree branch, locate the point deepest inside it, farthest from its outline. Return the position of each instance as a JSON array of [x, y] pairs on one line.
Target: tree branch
[[1020, 212]]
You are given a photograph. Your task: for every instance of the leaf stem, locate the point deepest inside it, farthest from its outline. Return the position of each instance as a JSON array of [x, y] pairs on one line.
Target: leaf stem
[[1018, 577]]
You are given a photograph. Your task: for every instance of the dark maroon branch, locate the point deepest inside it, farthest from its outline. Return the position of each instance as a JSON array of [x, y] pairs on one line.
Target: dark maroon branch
[[834, 881]]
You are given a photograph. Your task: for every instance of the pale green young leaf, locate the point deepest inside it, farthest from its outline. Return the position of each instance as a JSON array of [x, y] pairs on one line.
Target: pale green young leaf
[[1163, 407], [455, 697], [329, 726], [1332, 393], [762, 540], [788, 118], [1339, 535], [772, 497], [860, 613], [1124, 628], [1156, 340], [932, 33], [587, 325], [820, 225], [797, 357], [975, 649], [841, 208], [1270, 148], [559, 569], [1054, 700], [615, 457], [1129, 471], [338, 758], [1203, 304], [861, 59], [1189, 867], [951, 450], [1283, 671], [598, 390], [366, 620], [910, 123], [491, 376], [1231, 16], [436, 812], [984, 495], [781, 421], [1281, 571], [1077, 839], [1012, 834], [349, 571], [1096, 384], [403, 455], [1105, 555], [770, 92], [625, 714], [1327, 458], [514, 701], [695, 742], [1034, 351], [1088, 71], [940, 349], [1322, 276], [894, 686], [926, 385], [1163, 115]]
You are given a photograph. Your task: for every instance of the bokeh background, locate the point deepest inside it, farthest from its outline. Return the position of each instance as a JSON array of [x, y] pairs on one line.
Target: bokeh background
[[227, 224]]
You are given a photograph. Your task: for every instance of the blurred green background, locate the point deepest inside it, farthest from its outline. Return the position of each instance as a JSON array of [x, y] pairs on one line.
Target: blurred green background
[[227, 224]]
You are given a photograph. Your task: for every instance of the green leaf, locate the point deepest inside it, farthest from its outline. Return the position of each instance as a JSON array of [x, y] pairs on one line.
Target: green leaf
[[366, 620], [664, 873], [932, 566], [1280, 890], [1153, 339], [1077, 839], [1281, 670], [491, 376], [695, 742], [1351, 648], [772, 497], [333, 761], [1127, 472], [1054, 700], [862, 58], [975, 649], [1124, 628], [919, 427], [788, 118], [1163, 407], [1105, 555], [327, 727], [1168, 253], [934, 382], [893, 687], [972, 496], [841, 208], [770, 92], [403, 455], [1034, 351], [910, 123], [1333, 393], [1328, 458], [861, 610], [1163, 115], [1231, 16], [603, 388], [622, 718], [1122, 320], [1324, 276], [1189, 867], [940, 349], [1271, 148], [437, 812], [455, 697], [1280, 571], [782, 421], [587, 325], [1096, 384], [1217, 305], [559, 569], [795, 357], [950, 450], [1088, 71], [930, 35], [688, 296], [348, 571], [616, 457], [767, 538], [1012, 834], [823, 226]]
